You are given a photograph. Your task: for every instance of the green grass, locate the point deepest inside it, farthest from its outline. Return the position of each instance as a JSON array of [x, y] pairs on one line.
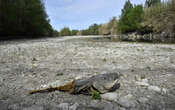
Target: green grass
[[95, 95]]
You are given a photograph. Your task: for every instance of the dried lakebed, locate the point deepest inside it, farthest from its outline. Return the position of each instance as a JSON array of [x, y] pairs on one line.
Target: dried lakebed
[[147, 73]]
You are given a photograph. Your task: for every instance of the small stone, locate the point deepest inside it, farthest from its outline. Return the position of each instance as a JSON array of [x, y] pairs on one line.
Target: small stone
[[143, 100], [154, 88], [108, 106], [164, 90], [126, 101], [78, 77], [63, 106], [137, 78], [34, 107], [34, 65], [101, 105], [121, 108], [13, 107], [1, 80], [145, 80], [142, 83], [110, 96], [74, 106]]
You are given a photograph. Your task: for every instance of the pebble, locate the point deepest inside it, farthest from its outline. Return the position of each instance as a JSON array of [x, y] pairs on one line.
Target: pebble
[[164, 90], [74, 106], [143, 100], [110, 96], [126, 101], [63, 106], [142, 83], [154, 88], [145, 80], [103, 105], [1, 80], [137, 78], [122, 108], [34, 107], [13, 107]]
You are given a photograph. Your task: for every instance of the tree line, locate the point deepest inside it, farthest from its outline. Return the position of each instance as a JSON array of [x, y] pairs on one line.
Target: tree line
[[95, 29], [25, 18], [155, 16], [28, 18]]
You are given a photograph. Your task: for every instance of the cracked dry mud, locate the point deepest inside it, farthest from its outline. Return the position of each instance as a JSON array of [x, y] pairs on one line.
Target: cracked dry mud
[[147, 73]]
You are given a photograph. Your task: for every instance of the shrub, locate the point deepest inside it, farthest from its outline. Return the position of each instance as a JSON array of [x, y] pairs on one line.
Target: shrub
[[93, 29], [74, 32], [95, 95], [84, 32], [65, 32], [130, 19]]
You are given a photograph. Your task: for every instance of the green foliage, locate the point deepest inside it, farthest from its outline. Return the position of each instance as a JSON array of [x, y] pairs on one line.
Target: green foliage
[[92, 30], [130, 19], [84, 32], [65, 32], [128, 5], [24, 18], [74, 32], [95, 95]]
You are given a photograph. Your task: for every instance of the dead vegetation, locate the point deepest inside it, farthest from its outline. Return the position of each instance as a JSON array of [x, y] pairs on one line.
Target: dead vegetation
[[161, 17]]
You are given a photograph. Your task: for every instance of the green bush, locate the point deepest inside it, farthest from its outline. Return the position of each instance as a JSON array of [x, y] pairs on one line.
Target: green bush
[[92, 30], [130, 19], [74, 32], [95, 95], [65, 32], [84, 32]]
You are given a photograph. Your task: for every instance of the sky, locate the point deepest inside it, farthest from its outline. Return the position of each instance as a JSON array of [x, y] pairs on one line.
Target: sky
[[79, 14]]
